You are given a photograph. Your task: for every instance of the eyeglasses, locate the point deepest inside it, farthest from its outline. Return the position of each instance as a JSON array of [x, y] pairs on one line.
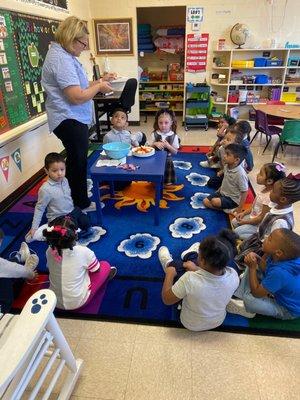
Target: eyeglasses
[[83, 44]]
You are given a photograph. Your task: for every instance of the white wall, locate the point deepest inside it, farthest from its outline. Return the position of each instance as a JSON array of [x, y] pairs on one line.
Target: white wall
[[36, 144], [219, 17]]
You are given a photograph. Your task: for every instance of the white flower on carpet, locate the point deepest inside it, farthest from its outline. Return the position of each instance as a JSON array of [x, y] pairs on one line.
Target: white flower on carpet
[[197, 179], [182, 164], [187, 227], [197, 200], [139, 245]]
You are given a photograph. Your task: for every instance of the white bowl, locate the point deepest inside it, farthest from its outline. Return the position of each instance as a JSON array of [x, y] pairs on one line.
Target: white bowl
[[143, 155]]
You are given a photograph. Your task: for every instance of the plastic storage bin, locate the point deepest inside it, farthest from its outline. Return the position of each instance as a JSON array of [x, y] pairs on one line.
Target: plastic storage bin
[[293, 62], [260, 62], [274, 63], [242, 64], [261, 79], [289, 97]]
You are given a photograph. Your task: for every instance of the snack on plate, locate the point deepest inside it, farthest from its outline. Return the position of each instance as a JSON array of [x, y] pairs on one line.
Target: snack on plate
[[142, 150]]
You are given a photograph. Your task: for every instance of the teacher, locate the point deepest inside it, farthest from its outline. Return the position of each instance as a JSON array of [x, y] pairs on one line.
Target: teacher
[[69, 102]]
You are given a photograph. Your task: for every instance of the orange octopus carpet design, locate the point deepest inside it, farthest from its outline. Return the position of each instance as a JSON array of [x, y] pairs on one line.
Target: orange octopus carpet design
[[130, 241]]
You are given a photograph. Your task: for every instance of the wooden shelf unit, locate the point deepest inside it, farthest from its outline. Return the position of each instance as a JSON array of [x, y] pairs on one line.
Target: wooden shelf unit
[[281, 72], [164, 91]]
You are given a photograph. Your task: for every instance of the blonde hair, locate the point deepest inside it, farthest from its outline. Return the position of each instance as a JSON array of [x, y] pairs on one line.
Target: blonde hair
[[70, 29]]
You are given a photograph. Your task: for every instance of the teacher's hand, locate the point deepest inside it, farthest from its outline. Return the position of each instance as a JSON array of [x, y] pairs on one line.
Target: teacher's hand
[[104, 87], [109, 76]]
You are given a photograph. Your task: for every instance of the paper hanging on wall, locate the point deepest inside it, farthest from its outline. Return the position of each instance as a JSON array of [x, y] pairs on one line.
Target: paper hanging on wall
[[16, 156], [4, 164]]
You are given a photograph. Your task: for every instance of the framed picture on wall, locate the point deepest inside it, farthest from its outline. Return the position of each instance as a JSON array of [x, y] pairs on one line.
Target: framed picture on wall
[[113, 36]]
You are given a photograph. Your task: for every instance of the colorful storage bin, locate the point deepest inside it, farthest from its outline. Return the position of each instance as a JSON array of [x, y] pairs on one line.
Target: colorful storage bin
[[260, 62], [261, 79], [242, 64], [289, 97], [273, 63]]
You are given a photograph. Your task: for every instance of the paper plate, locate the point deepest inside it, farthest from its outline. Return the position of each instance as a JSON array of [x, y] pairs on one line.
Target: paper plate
[[142, 155]]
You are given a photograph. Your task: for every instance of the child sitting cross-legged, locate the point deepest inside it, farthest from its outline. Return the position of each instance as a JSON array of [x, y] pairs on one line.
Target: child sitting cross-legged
[[55, 196], [74, 271], [231, 136], [284, 193], [271, 284], [246, 222], [244, 128], [225, 123], [233, 191], [205, 284], [119, 132]]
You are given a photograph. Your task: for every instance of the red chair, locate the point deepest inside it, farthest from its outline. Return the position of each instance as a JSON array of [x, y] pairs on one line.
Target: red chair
[[262, 126], [272, 120]]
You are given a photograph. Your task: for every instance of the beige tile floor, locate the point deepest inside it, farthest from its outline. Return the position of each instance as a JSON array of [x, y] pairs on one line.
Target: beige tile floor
[[136, 362]]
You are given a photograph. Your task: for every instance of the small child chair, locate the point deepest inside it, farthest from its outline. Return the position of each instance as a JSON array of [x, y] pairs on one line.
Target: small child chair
[[26, 340], [290, 136]]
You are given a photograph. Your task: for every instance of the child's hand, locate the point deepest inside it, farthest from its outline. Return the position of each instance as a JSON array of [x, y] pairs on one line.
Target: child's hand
[[32, 273], [220, 173], [251, 260], [190, 266], [239, 216], [29, 235], [159, 145]]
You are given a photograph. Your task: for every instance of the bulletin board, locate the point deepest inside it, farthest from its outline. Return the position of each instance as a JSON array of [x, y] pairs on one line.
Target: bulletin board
[[24, 42]]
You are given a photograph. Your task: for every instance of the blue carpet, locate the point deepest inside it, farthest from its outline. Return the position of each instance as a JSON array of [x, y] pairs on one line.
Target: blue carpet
[[131, 243]]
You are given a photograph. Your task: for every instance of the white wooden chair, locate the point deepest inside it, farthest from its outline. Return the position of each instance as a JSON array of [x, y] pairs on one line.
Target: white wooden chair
[[27, 339]]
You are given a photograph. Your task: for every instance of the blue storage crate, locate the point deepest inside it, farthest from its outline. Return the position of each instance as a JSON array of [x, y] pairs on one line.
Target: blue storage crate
[[261, 79], [274, 63], [260, 62]]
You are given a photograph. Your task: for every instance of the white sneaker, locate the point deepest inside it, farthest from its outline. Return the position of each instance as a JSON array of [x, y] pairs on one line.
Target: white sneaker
[[24, 252], [89, 184], [32, 261], [164, 257], [238, 307], [193, 248], [91, 207], [204, 164]]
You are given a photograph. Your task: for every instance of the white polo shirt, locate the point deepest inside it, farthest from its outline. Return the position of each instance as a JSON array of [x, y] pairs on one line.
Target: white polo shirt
[[205, 297], [69, 275]]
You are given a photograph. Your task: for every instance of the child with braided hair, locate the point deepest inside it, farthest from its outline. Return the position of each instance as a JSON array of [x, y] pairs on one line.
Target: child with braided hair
[[75, 272], [284, 193]]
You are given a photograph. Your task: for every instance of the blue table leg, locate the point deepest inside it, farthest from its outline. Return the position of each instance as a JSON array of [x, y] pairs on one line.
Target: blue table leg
[[97, 193]]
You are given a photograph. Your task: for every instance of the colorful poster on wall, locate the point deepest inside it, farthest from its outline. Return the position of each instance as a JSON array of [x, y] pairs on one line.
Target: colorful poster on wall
[[196, 52]]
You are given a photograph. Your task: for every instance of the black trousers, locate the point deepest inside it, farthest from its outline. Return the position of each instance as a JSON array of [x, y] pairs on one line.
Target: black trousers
[[81, 219], [75, 138]]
